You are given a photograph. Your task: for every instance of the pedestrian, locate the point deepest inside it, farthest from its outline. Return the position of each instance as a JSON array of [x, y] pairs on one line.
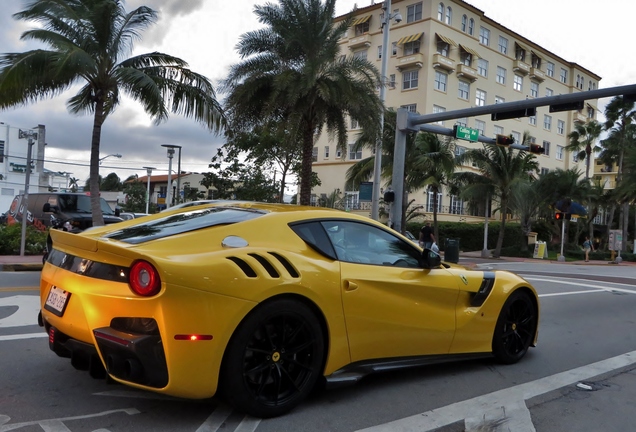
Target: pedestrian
[[587, 247], [427, 238]]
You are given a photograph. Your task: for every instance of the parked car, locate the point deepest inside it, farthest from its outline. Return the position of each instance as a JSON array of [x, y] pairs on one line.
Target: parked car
[[259, 302]]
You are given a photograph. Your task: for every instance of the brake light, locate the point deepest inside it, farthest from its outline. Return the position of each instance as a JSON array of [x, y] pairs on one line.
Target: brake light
[[144, 279]]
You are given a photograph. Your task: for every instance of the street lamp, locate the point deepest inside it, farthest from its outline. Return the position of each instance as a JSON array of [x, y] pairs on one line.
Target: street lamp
[[377, 162], [170, 155], [30, 135], [117, 155], [148, 174]]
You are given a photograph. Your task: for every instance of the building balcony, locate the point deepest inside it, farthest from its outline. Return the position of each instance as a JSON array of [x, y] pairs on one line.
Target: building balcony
[[410, 61], [441, 62], [359, 42], [520, 67], [578, 117], [467, 72], [537, 74]]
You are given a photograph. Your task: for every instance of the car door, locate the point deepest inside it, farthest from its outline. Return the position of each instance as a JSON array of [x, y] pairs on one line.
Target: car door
[[393, 307]]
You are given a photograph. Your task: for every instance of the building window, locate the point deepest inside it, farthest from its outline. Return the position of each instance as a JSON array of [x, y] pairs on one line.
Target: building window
[[464, 23], [442, 47], [547, 122], [550, 69], [409, 80], [516, 136], [392, 80], [465, 58], [532, 140], [548, 92], [532, 120], [518, 83], [560, 127], [590, 112], [480, 98], [559, 152], [471, 26], [534, 89], [414, 12], [440, 81], [1, 151], [362, 28], [456, 205], [362, 54], [394, 48], [480, 125], [484, 36], [314, 154], [520, 53], [379, 51], [564, 76], [412, 47], [353, 153], [482, 67], [449, 15], [459, 150], [410, 107], [499, 130], [440, 12], [326, 152], [501, 75], [464, 90], [338, 153], [499, 99], [536, 61], [354, 124], [503, 45], [544, 171], [462, 121], [438, 109], [546, 148], [430, 204]]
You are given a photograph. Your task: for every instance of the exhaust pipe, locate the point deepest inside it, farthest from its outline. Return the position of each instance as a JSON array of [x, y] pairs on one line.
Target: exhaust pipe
[[133, 370]]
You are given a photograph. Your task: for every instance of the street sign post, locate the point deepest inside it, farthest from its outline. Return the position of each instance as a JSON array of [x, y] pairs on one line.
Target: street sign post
[[466, 133]]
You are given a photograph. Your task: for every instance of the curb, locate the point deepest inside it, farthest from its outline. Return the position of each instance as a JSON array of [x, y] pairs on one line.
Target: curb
[[20, 267]]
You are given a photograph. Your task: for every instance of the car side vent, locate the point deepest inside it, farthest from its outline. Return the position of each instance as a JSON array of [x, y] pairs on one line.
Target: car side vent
[[266, 264], [288, 266], [249, 271]]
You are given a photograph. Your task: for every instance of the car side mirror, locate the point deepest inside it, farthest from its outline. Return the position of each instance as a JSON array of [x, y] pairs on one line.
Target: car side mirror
[[117, 212], [430, 259]]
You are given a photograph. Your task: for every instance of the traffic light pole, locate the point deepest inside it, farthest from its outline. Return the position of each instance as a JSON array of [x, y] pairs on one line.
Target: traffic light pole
[[562, 257]]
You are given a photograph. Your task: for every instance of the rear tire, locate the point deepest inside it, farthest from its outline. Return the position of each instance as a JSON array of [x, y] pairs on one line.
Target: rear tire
[[274, 359], [515, 328]]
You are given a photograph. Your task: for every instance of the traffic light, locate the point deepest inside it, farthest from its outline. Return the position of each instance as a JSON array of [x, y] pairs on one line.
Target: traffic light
[[504, 140], [561, 216], [536, 149]]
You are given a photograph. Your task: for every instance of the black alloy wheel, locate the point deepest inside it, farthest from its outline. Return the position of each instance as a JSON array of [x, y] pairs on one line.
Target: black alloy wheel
[[274, 359], [515, 329]]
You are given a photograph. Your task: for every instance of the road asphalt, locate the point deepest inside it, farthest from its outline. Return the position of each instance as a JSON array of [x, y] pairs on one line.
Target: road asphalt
[[584, 402]]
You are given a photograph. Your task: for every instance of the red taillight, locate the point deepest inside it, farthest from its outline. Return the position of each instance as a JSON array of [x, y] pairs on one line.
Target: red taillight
[[144, 279]]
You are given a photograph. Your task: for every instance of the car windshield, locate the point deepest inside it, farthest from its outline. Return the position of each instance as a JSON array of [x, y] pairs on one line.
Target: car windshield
[[81, 204], [183, 222]]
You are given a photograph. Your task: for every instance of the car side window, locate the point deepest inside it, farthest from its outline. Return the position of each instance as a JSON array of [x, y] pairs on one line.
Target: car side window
[[358, 242]]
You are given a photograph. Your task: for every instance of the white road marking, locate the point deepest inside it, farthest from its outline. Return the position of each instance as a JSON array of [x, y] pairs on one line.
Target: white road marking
[[572, 293], [216, 419], [136, 394], [600, 287], [27, 313], [249, 424], [24, 336], [57, 425], [507, 399]]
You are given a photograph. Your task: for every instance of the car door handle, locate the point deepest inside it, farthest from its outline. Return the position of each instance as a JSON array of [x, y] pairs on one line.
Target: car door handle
[[350, 286]]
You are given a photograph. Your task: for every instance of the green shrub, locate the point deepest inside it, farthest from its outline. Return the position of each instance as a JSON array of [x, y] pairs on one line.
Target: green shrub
[[10, 237]]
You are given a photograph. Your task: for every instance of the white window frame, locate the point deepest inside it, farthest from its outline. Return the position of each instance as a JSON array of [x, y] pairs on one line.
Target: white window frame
[[547, 122], [413, 13], [546, 148], [441, 81], [549, 69], [501, 75], [482, 67], [326, 152], [353, 154], [463, 90], [563, 76], [410, 79], [480, 97], [503, 45], [559, 152], [518, 83], [560, 127], [484, 36], [480, 125], [534, 89]]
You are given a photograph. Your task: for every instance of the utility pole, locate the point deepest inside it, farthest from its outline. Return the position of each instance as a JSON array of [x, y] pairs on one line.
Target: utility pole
[[30, 135]]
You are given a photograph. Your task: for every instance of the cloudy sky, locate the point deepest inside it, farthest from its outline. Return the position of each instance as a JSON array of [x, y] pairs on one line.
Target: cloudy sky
[[596, 35]]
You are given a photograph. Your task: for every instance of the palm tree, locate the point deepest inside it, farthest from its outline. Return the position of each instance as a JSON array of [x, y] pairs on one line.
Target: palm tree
[[294, 65], [72, 183], [582, 140], [89, 42], [499, 168]]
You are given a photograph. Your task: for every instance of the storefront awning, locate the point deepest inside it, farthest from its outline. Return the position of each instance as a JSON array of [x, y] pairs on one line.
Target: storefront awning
[[446, 39], [361, 20], [470, 51], [411, 38]]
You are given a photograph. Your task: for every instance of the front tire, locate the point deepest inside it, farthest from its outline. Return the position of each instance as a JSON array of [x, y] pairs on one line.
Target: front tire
[[274, 359], [515, 328]]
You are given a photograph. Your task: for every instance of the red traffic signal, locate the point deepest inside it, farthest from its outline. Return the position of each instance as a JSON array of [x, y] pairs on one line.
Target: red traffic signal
[[558, 216], [536, 149], [504, 140]]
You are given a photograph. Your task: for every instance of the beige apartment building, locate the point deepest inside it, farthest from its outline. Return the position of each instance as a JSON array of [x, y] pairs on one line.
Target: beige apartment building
[[447, 56]]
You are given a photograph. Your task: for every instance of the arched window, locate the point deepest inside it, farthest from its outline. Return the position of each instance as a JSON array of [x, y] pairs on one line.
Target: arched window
[[471, 26], [440, 12], [449, 15], [464, 23]]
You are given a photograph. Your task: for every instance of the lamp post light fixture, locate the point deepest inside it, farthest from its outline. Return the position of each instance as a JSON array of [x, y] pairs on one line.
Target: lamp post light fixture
[[117, 155], [148, 174], [172, 147], [377, 162]]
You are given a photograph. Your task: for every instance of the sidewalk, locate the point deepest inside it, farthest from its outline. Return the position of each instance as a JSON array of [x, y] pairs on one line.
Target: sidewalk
[[20, 263], [477, 254]]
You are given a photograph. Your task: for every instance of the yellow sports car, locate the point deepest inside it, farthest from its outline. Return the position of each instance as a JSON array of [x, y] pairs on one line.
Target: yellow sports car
[[259, 302]]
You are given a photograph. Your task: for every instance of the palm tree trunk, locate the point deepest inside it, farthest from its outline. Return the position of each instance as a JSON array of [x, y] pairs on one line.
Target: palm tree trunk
[[305, 171], [96, 209]]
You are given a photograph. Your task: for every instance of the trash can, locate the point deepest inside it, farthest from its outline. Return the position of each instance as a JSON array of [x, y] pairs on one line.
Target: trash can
[[451, 250]]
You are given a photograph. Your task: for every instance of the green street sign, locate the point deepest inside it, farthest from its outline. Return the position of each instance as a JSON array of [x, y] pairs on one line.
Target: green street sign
[[466, 133]]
